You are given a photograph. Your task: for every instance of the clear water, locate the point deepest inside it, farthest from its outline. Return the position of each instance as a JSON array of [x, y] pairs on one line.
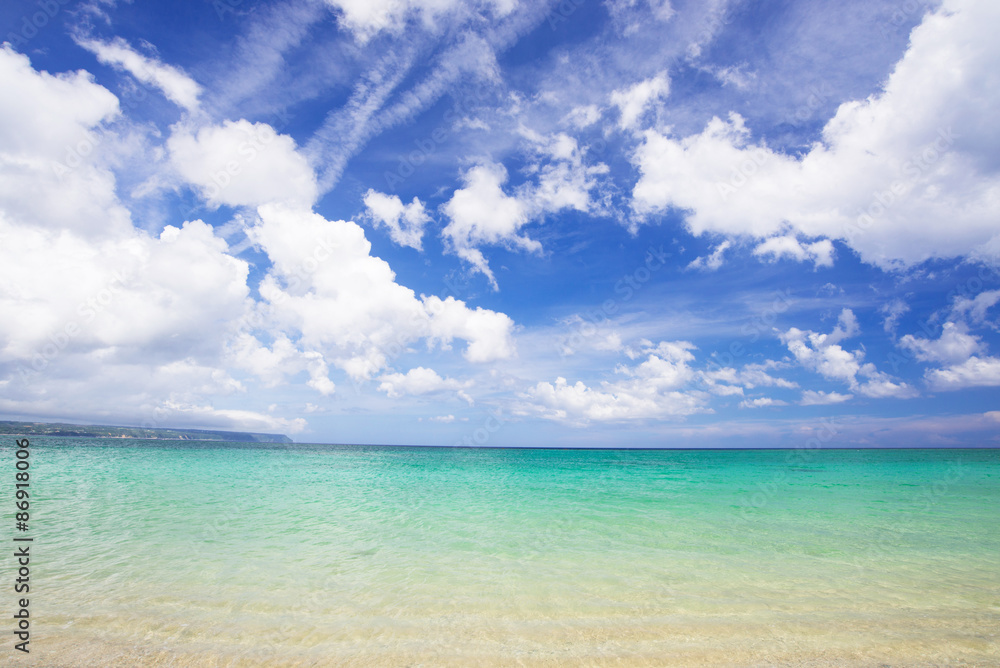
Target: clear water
[[185, 554]]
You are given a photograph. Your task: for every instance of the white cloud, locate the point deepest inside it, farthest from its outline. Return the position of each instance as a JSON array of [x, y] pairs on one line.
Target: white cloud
[[123, 295], [489, 334], [820, 398], [819, 252], [325, 286], [977, 307], [629, 15], [712, 261], [651, 390], [564, 182], [405, 221], [482, 214], [104, 321], [893, 311], [51, 143], [115, 329], [98, 318], [973, 372], [228, 418], [890, 168], [963, 354], [242, 164], [762, 402], [730, 381], [583, 116], [734, 76], [823, 354], [755, 375], [45, 115], [954, 346], [365, 18], [175, 84], [283, 359], [634, 100], [418, 380]]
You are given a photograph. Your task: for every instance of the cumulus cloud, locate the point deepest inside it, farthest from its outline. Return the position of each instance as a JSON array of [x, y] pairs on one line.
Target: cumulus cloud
[[583, 116], [173, 82], [650, 390], [633, 101], [888, 170], [823, 354], [762, 402], [713, 260], [481, 213], [51, 135], [973, 372], [964, 354], [731, 381], [564, 181], [976, 308], [893, 311], [418, 380], [274, 364], [955, 345], [120, 296], [240, 163], [820, 253], [102, 320], [405, 222], [326, 286], [820, 398]]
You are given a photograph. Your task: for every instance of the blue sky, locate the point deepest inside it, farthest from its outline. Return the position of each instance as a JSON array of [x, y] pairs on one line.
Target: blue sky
[[620, 223]]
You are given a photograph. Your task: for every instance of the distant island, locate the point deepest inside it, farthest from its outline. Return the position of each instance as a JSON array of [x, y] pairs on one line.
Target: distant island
[[104, 431]]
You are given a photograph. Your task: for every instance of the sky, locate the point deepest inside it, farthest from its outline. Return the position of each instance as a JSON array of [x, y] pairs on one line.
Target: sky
[[586, 223]]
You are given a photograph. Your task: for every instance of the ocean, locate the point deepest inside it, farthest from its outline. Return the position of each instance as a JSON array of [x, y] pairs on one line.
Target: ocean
[[154, 553]]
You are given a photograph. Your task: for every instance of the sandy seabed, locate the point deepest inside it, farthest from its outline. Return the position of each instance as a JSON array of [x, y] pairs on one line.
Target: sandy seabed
[[917, 641]]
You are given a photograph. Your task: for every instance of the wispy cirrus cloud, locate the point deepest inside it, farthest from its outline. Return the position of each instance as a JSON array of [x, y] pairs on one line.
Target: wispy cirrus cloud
[[175, 84]]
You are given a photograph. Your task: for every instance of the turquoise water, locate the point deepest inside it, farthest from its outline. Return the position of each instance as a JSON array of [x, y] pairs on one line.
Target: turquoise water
[[190, 554]]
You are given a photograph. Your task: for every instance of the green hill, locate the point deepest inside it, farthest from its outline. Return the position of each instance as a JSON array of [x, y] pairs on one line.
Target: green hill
[[105, 431]]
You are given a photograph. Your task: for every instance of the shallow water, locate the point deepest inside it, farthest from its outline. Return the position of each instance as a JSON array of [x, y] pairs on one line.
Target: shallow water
[[191, 554]]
